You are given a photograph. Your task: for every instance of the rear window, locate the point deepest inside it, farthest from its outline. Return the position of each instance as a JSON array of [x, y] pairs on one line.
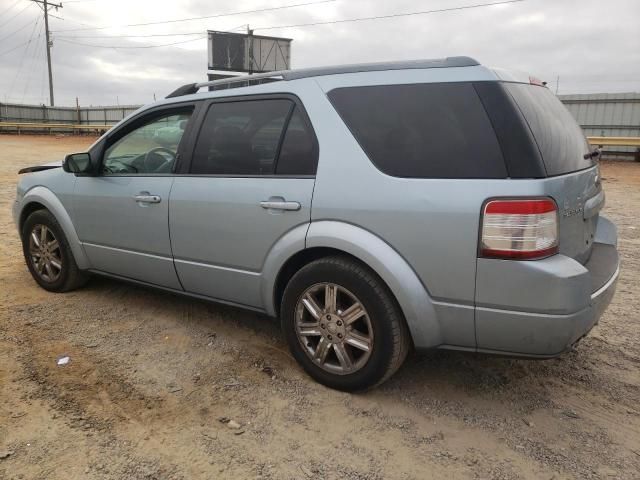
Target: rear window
[[560, 139], [422, 130]]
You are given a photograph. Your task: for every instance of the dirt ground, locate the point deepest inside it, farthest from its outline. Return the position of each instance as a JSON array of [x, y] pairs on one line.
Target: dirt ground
[[152, 374]]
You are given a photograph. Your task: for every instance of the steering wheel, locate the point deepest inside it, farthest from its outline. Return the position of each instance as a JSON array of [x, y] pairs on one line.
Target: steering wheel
[[155, 161]]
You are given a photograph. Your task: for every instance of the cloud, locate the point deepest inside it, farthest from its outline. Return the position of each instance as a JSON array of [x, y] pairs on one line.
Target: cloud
[[589, 48]]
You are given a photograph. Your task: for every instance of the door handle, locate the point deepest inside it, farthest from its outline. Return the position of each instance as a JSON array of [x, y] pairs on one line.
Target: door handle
[[146, 198], [280, 205]]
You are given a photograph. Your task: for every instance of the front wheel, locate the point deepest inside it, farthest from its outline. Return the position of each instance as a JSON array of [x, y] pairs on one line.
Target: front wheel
[[48, 255], [343, 325]]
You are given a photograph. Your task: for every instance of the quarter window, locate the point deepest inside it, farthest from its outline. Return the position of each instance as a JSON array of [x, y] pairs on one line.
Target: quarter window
[[150, 148], [422, 130]]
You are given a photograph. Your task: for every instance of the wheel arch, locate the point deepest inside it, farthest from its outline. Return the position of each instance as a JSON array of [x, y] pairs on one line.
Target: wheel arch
[[40, 198], [27, 210], [296, 262], [337, 238]]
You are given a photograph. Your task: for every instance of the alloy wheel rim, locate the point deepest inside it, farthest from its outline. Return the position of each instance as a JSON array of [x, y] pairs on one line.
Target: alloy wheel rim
[[45, 253], [334, 328]]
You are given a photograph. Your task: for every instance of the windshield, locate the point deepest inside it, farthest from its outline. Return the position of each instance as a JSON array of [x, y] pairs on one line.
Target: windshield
[[560, 139]]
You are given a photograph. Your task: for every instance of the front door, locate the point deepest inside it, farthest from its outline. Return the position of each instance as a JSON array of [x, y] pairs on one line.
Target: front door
[[250, 182], [122, 214]]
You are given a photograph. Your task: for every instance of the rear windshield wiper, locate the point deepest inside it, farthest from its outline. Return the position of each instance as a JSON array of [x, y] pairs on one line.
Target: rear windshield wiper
[[595, 153]]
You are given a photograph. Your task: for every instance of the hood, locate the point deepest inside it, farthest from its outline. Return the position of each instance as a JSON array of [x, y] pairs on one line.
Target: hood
[[39, 168]]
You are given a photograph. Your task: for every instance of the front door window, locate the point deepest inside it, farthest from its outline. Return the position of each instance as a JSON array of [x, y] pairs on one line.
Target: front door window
[[149, 149]]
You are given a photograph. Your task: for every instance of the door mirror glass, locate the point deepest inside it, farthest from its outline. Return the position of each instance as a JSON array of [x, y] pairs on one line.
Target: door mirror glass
[[77, 163]]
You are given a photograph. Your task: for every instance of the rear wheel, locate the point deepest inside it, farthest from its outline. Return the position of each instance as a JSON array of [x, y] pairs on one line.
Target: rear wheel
[[342, 324], [48, 255]]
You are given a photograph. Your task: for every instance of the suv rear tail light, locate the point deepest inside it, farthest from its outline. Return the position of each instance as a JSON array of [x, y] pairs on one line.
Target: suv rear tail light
[[520, 229]]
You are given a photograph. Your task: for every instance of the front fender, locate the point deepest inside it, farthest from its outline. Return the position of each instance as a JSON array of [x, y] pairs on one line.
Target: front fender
[[47, 198], [403, 282]]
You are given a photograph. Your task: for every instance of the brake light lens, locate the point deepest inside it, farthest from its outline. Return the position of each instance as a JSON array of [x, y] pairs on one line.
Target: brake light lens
[[537, 81], [524, 229]]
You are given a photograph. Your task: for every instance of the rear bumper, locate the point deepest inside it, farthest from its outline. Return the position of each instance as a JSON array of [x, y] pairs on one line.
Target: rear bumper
[[541, 308]]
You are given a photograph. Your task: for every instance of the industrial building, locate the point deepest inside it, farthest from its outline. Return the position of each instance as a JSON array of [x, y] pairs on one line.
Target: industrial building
[[608, 115]]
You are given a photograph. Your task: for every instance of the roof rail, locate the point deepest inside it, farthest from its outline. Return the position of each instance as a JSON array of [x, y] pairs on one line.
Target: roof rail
[[247, 80], [244, 80]]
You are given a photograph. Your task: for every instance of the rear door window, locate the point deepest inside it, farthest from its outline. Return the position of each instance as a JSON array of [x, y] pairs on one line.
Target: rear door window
[[299, 151], [422, 130], [560, 139], [241, 137], [256, 137]]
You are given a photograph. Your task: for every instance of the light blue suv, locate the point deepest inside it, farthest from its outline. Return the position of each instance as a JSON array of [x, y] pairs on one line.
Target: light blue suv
[[373, 208]]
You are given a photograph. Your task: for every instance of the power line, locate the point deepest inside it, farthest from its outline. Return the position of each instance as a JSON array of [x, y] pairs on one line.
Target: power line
[[35, 26], [130, 46], [69, 19], [15, 48], [7, 9], [25, 7], [242, 26], [39, 47], [378, 17], [229, 14], [149, 35], [358, 19], [16, 31], [130, 36], [393, 15]]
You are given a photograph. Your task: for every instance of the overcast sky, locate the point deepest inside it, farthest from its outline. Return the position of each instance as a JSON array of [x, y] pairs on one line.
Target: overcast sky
[[593, 46]]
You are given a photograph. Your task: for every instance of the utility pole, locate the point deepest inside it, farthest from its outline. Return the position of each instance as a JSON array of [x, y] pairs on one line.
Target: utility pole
[[45, 9], [557, 84], [250, 41]]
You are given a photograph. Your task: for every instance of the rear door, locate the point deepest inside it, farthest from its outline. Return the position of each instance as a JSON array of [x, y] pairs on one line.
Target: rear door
[[250, 182], [572, 180]]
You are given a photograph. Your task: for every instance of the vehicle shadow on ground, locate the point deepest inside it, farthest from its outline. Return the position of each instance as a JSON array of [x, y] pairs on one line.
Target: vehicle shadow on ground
[[441, 372]]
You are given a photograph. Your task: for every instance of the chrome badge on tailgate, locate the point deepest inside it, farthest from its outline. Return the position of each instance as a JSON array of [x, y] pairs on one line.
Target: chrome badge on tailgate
[[571, 211]]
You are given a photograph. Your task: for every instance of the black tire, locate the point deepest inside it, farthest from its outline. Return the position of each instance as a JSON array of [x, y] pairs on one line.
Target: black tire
[[70, 277], [391, 339]]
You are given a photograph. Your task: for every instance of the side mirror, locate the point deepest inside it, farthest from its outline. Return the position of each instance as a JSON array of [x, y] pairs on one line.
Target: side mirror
[[77, 163]]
